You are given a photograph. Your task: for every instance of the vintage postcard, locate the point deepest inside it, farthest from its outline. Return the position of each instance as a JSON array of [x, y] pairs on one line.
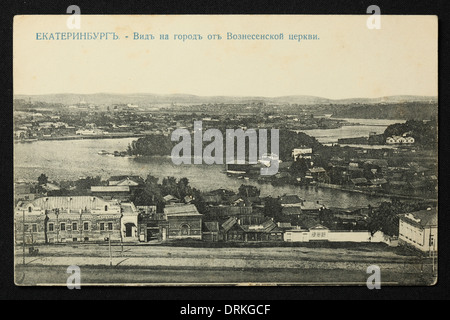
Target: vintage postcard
[[154, 150]]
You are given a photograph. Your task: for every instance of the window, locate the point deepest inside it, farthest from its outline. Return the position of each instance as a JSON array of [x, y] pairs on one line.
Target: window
[[29, 209], [86, 226], [185, 230], [34, 228], [75, 239], [63, 227], [106, 208], [51, 227], [110, 226], [102, 226], [25, 228], [431, 241], [86, 239], [75, 226]]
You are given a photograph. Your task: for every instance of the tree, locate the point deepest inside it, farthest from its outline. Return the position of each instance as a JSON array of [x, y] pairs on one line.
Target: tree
[[386, 217], [249, 191], [273, 208], [156, 145], [169, 186], [85, 184], [42, 179], [299, 167], [183, 188]]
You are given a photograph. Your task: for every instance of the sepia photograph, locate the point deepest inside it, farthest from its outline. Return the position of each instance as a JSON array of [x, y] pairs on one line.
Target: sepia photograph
[[225, 150]]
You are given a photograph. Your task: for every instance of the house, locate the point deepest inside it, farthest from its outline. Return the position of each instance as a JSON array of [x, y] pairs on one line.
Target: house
[[93, 132], [311, 207], [239, 201], [183, 222], [212, 199], [359, 182], [267, 159], [292, 211], [419, 230], [130, 181], [151, 224], [68, 219], [48, 187], [267, 231], [352, 216], [233, 230], [302, 152], [318, 174], [129, 222], [170, 199], [23, 192], [383, 164], [380, 182], [230, 230], [290, 201], [400, 140], [112, 192]]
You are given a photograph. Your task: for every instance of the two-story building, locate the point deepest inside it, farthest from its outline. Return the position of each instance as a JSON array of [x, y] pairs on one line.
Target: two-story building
[[419, 230], [67, 219]]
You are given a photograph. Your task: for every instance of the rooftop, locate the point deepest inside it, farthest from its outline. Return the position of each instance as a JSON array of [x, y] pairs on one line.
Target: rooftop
[[110, 189], [72, 203], [185, 210], [423, 218], [290, 199]]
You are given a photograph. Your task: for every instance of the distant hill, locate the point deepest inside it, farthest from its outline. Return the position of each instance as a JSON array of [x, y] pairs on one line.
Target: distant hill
[[148, 99], [412, 110]]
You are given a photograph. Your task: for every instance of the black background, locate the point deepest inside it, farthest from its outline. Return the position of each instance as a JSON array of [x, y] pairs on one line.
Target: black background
[[283, 299]]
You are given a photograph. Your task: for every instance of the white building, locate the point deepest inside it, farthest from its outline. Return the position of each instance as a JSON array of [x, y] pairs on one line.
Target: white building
[[400, 140], [419, 230], [129, 222], [302, 152], [93, 132], [321, 233]]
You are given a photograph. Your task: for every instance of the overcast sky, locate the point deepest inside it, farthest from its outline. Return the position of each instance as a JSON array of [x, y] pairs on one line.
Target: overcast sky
[[348, 61]]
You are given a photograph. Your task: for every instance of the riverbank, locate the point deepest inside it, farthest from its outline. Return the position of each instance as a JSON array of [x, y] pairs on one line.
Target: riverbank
[[85, 137], [373, 193]]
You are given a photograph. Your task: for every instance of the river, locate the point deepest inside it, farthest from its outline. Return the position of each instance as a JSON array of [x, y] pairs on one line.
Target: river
[[361, 128], [69, 160]]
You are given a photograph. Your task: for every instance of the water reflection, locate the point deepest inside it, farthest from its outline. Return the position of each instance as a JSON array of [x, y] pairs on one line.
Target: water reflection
[[62, 160]]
